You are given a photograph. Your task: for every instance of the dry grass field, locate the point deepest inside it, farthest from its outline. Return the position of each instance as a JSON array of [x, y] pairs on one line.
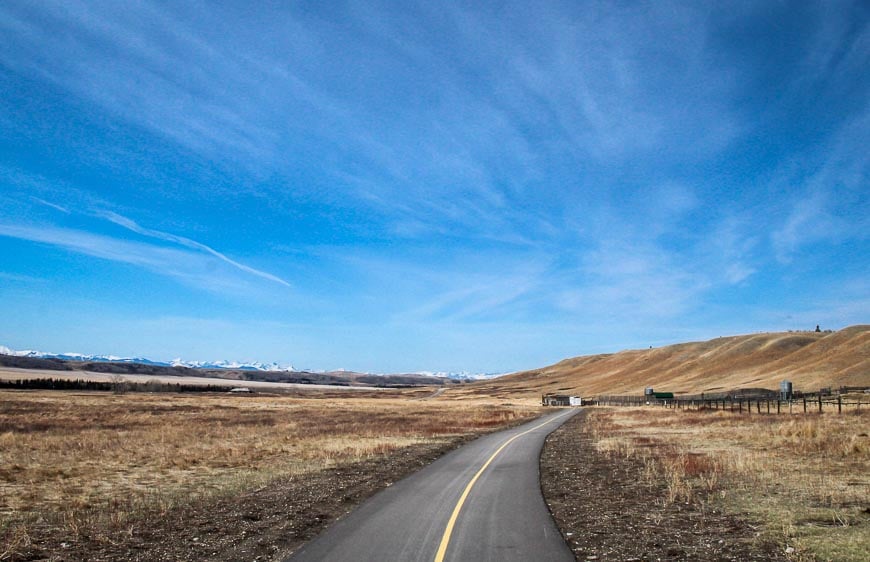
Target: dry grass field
[[804, 479], [90, 462], [810, 360], [14, 374]]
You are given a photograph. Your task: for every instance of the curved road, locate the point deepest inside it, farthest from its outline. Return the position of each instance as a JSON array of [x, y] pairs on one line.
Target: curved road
[[480, 502]]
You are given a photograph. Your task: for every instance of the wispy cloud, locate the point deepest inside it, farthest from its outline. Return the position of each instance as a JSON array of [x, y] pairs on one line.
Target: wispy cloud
[[474, 298], [194, 268], [20, 278], [453, 151], [729, 252], [85, 204], [51, 205], [828, 203], [27, 187], [633, 283], [193, 244]]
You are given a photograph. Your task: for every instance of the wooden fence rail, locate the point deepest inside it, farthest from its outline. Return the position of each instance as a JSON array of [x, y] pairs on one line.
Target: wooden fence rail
[[748, 405]]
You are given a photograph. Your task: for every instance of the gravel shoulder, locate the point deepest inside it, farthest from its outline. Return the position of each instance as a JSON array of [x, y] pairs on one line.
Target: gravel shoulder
[[605, 512]]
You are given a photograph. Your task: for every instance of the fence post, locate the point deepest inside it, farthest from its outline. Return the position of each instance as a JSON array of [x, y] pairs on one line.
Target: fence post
[[839, 404], [820, 403], [777, 406], [805, 405]]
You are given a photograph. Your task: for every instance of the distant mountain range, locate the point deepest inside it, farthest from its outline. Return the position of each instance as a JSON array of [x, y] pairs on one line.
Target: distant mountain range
[[217, 365], [235, 365]]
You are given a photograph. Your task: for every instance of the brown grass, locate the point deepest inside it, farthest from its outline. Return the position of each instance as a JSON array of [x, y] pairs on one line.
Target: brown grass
[[811, 360], [804, 479], [93, 461]]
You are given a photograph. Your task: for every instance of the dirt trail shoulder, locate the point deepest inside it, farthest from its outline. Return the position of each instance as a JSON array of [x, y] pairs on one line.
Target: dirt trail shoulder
[[605, 512]]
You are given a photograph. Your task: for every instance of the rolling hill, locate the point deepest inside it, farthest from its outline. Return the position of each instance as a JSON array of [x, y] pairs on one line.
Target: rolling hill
[[810, 360]]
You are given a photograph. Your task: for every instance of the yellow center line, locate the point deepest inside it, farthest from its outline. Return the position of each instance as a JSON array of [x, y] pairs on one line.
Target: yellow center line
[[445, 539]]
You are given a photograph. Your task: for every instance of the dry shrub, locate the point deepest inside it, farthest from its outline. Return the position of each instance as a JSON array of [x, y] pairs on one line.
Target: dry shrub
[[803, 477], [615, 447], [15, 538]]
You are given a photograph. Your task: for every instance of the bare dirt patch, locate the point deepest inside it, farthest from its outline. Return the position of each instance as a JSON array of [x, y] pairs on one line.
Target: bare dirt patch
[[608, 510]]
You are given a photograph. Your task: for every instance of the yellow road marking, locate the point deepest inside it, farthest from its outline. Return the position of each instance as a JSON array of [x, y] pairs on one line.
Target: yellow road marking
[[445, 539]]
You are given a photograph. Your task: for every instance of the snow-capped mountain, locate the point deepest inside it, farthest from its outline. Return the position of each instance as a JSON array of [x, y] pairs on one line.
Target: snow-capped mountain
[[462, 375], [223, 364]]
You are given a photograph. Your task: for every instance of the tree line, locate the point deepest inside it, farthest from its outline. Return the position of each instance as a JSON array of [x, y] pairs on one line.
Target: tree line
[[117, 386]]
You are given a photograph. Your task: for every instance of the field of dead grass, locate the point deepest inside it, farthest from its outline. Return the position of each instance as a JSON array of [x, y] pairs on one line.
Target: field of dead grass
[[91, 461], [810, 360], [805, 479]]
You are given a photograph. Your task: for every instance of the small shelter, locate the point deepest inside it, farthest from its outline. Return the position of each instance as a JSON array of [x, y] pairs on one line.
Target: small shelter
[[561, 400]]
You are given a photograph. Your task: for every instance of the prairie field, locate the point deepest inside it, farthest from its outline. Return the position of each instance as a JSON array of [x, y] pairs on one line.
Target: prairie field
[[803, 480], [89, 462], [810, 360]]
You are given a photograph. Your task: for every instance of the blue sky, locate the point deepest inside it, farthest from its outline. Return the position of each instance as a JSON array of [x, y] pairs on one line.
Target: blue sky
[[480, 186]]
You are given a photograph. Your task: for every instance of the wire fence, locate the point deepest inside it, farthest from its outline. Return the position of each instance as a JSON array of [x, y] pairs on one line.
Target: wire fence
[[749, 404]]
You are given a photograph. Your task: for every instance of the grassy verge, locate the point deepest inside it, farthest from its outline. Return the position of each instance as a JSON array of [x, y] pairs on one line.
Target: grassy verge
[[803, 479], [92, 464]]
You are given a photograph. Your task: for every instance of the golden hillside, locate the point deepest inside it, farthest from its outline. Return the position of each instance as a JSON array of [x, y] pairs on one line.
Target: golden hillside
[[810, 360]]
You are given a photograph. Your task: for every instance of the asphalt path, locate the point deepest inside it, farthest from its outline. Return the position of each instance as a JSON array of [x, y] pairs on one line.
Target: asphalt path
[[480, 502]]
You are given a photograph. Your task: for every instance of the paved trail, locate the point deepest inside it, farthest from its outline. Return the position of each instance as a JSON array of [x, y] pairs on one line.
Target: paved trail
[[480, 502]]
